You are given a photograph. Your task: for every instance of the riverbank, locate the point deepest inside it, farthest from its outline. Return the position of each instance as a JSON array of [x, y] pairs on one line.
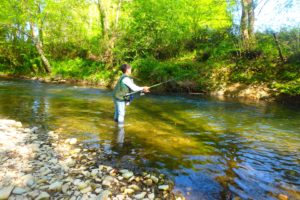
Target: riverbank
[[43, 165]]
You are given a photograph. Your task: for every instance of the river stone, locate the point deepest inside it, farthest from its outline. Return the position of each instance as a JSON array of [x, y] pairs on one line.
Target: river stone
[[73, 141], [56, 186], [151, 196], [135, 187], [65, 188], [33, 194], [163, 187], [43, 196], [154, 179], [127, 175], [148, 182], [107, 181], [34, 129], [94, 172], [28, 180], [86, 190], [104, 195], [283, 197], [123, 171], [19, 191], [82, 185], [128, 191], [5, 192], [76, 181], [140, 195]]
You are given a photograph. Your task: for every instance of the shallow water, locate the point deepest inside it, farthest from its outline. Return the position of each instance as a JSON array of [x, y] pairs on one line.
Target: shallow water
[[212, 149]]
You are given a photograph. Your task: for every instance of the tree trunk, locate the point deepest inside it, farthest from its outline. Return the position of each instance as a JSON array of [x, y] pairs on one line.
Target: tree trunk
[[244, 23], [118, 14], [103, 18], [247, 24], [250, 10], [278, 47], [39, 48]]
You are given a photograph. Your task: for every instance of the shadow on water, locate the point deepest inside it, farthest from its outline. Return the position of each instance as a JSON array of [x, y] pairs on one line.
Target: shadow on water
[[212, 149]]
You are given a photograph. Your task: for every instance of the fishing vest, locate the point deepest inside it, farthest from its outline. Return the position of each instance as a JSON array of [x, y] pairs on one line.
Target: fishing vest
[[121, 90]]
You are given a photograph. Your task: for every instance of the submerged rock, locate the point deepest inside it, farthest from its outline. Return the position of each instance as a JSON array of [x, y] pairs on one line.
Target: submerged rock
[[19, 190], [56, 186]]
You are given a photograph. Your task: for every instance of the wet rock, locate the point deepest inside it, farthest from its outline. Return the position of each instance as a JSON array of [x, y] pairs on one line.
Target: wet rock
[[104, 195], [43, 196], [283, 197], [19, 190], [107, 181], [94, 172], [140, 195], [5, 192], [86, 190], [83, 185], [154, 179], [33, 194], [135, 187], [34, 129], [127, 175], [65, 188], [56, 186], [148, 182], [151, 196], [28, 180], [128, 191], [164, 187]]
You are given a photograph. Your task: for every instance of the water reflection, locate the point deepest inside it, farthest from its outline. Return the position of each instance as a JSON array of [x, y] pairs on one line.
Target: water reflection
[[213, 149]]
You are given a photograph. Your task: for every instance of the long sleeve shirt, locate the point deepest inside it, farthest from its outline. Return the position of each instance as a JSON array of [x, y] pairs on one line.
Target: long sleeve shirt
[[129, 82]]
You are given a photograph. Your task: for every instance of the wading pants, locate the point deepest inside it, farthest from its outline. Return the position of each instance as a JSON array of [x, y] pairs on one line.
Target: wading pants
[[119, 111]]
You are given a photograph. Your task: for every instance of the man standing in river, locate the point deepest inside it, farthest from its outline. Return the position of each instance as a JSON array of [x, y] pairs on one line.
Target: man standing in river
[[124, 86]]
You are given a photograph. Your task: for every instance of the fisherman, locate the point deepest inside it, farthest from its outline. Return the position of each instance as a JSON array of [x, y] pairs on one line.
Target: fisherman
[[124, 86]]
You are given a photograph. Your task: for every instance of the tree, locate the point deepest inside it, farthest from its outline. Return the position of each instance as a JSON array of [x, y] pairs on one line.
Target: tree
[[247, 23]]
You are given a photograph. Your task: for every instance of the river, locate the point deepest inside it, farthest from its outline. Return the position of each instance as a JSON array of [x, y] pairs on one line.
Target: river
[[212, 149]]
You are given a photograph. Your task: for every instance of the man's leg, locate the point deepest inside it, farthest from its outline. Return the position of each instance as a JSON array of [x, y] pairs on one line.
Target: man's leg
[[121, 112], [116, 111]]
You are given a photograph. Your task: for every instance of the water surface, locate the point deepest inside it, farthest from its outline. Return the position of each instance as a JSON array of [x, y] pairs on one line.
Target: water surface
[[212, 149]]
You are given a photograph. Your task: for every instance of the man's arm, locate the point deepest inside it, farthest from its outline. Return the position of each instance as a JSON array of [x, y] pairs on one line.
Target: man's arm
[[127, 81]]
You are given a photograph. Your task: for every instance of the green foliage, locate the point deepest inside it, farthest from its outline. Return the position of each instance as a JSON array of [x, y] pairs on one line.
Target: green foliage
[[162, 39], [290, 87]]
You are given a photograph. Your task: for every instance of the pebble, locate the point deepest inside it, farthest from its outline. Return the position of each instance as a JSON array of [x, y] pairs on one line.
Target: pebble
[[19, 191], [128, 191], [43, 196], [56, 186], [163, 187], [86, 190], [5, 192], [127, 175], [104, 195], [140, 195], [53, 169], [135, 187]]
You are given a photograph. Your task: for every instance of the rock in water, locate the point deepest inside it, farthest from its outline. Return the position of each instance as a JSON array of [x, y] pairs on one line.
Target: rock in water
[[43, 196], [28, 180], [5, 192]]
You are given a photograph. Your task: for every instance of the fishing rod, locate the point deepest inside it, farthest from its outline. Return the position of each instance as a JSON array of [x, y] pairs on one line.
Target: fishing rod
[[152, 86]]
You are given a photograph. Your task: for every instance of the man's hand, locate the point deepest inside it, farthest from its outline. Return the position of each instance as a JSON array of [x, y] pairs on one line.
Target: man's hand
[[146, 89]]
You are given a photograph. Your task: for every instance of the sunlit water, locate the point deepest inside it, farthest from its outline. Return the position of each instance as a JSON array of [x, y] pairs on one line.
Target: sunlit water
[[211, 149]]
